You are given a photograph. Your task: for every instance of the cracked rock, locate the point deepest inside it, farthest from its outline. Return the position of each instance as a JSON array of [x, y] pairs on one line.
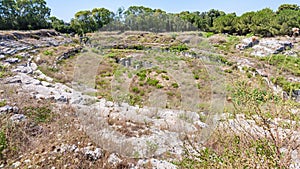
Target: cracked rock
[[18, 118], [12, 60]]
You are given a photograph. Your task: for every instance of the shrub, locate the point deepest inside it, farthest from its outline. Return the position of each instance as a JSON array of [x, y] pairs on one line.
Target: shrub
[[208, 34], [135, 89], [134, 100], [152, 82], [48, 53], [159, 86], [175, 85], [2, 103], [3, 143], [165, 77], [237, 146], [142, 75]]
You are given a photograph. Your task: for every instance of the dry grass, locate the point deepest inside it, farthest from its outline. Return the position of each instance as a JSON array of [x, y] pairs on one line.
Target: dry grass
[[36, 144]]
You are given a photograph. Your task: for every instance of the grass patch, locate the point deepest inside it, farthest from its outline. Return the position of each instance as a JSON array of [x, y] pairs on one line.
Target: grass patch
[[3, 143], [152, 82], [39, 114], [135, 89], [48, 53], [207, 34], [175, 85], [159, 86], [3, 71], [179, 48], [142, 75], [286, 63], [286, 85]]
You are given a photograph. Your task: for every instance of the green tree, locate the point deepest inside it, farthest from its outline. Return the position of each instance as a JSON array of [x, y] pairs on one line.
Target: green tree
[[32, 14], [263, 22], [83, 22], [8, 14], [244, 23], [60, 25], [286, 20], [102, 16], [212, 15], [137, 10], [225, 24], [289, 7]]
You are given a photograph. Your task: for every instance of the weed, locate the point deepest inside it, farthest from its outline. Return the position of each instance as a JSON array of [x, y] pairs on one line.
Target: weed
[[207, 34], [165, 77], [134, 100], [135, 89], [48, 53], [175, 85], [152, 82], [142, 75], [286, 63], [228, 71], [3, 143], [179, 48], [159, 86], [3, 71], [242, 147], [39, 114], [2, 103], [286, 85]]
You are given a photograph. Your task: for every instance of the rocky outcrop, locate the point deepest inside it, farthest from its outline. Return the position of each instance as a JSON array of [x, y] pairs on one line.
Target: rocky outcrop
[[265, 46], [247, 43], [17, 35], [69, 53], [296, 95], [133, 131], [15, 42]]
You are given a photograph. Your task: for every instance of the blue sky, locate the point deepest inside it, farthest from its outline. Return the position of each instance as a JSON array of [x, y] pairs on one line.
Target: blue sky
[[65, 9]]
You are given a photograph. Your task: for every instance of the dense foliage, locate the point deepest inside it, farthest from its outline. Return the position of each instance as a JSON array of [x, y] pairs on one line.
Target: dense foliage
[[24, 14], [34, 14]]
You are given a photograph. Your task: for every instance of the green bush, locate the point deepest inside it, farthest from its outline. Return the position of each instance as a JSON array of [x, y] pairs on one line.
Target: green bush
[[175, 85], [48, 53], [135, 89], [142, 75], [134, 100], [208, 34], [2, 103], [3, 143], [152, 82], [165, 77], [3, 71], [159, 86]]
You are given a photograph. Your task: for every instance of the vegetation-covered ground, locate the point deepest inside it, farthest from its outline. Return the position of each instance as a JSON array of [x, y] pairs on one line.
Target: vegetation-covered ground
[[258, 127]]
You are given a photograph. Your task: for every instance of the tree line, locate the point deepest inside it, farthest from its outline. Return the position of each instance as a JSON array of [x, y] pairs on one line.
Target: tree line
[[34, 14]]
